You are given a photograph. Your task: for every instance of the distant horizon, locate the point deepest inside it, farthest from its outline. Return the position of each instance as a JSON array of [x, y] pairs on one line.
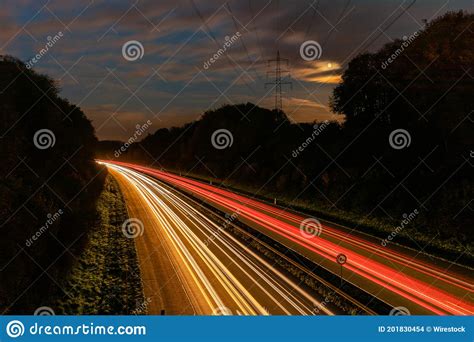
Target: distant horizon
[[179, 73], [154, 129]]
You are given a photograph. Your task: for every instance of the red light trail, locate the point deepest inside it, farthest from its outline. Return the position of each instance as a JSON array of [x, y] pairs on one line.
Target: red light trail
[[285, 224]]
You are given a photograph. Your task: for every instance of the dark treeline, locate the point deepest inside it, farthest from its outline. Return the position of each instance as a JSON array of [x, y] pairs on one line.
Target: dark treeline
[[47, 196], [351, 168]]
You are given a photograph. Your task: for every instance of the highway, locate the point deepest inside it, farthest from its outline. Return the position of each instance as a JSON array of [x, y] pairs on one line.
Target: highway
[[190, 265], [400, 277]]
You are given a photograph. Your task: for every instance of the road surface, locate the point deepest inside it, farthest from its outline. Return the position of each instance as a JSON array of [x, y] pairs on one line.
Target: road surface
[[190, 265], [406, 280]]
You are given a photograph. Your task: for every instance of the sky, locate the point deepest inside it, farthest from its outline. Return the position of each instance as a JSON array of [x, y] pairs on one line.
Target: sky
[[172, 80]]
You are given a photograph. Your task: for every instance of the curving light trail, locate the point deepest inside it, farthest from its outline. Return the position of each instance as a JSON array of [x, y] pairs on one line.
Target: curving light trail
[[434, 289], [227, 273]]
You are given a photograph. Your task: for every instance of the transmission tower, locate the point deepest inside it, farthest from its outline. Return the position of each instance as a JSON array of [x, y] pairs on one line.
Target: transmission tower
[[280, 79]]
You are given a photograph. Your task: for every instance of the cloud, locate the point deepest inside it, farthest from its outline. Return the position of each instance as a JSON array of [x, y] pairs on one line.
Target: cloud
[[320, 72], [309, 110], [178, 40]]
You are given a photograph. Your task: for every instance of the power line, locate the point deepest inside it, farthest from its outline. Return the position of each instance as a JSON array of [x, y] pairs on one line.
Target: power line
[[236, 25], [278, 83], [279, 73], [209, 31], [343, 12], [381, 31], [308, 29], [255, 29]]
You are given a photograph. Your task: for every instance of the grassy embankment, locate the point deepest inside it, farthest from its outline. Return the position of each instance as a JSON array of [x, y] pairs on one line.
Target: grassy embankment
[[105, 279]]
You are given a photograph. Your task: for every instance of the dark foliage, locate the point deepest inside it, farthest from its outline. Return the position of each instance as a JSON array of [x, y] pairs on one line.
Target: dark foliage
[[427, 90], [38, 185]]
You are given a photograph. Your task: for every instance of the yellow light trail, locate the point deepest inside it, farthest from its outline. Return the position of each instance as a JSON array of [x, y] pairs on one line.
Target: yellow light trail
[[227, 273]]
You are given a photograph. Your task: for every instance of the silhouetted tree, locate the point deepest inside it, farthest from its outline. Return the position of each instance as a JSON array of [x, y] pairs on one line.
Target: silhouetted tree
[[37, 184], [426, 89]]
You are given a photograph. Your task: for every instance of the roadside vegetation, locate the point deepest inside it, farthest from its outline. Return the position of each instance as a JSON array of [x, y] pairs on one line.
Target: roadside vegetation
[[62, 244], [105, 278], [49, 184]]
